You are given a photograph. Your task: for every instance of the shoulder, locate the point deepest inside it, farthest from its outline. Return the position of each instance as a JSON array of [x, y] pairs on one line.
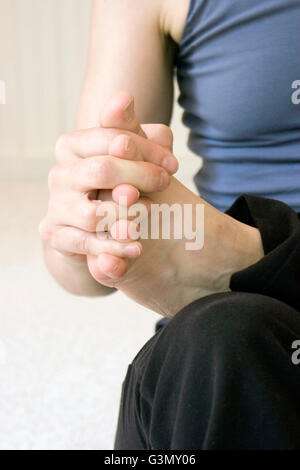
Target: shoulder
[[173, 15]]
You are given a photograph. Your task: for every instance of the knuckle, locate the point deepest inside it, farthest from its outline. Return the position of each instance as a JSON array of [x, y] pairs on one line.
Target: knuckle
[[152, 177], [44, 231], [62, 145], [55, 239], [166, 131], [57, 176]]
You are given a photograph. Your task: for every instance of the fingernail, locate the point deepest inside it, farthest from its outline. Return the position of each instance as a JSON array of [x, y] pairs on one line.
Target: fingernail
[[163, 181], [132, 251], [170, 164], [128, 110]]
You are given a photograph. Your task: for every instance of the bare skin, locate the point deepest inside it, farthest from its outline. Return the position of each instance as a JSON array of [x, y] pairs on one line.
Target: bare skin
[[229, 245], [164, 265], [114, 27], [84, 165], [167, 266]]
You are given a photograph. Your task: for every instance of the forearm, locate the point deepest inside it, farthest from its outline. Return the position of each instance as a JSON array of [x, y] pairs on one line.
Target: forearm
[[72, 273]]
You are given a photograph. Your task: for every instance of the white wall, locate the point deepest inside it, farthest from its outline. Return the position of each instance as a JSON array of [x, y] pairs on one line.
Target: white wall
[[43, 47]]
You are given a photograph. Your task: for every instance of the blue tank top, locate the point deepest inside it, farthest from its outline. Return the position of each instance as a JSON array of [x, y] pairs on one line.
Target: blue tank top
[[235, 65]]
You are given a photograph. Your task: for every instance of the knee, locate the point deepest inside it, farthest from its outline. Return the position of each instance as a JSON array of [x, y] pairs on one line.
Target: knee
[[231, 320]]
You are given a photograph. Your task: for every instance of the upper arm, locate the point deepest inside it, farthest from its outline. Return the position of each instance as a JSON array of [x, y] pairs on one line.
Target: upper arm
[[128, 51]]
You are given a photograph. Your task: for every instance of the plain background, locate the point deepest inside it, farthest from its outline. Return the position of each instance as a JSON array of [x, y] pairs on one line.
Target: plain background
[[62, 358]]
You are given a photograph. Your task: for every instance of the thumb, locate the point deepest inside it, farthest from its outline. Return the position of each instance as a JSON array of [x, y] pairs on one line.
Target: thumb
[[119, 113]]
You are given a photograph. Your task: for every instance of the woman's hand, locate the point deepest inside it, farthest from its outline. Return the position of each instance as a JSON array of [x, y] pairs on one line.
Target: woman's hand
[[85, 165]]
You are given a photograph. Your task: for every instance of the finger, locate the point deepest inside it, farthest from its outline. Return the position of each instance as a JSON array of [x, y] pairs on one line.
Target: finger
[[119, 113], [94, 142], [107, 172], [85, 214], [160, 134], [76, 241], [80, 213], [133, 147], [84, 143], [123, 146]]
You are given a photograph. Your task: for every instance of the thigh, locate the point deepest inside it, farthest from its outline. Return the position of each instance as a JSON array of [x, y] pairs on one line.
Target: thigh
[[218, 375]]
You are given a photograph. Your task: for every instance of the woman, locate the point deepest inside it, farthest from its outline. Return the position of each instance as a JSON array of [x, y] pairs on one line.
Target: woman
[[219, 374]]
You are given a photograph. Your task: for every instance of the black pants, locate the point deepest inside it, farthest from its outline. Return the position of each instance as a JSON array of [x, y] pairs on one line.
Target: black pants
[[220, 374]]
